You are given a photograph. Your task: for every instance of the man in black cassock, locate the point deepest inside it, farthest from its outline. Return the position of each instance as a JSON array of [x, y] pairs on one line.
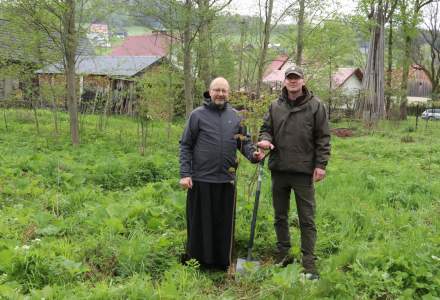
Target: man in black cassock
[[208, 148]]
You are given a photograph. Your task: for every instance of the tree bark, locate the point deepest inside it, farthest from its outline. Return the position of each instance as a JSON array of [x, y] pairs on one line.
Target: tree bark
[[242, 39], [204, 43], [187, 60], [263, 53], [389, 70], [300, 35], [404, 81], [372, 105], [70, 45]]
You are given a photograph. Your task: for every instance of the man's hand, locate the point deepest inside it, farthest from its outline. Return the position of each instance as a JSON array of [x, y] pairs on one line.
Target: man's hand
[[258, 155], [265, 145], [186, 183], [318, 174]]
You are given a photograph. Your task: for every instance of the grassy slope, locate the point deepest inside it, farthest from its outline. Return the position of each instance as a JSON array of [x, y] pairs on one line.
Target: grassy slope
[[103, 222], [137, 30]]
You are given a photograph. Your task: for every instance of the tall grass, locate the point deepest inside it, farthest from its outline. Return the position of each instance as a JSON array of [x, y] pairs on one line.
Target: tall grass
[[102, 222]]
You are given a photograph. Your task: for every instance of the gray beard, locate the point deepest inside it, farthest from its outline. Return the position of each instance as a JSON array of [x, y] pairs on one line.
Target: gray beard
[[220, 106]]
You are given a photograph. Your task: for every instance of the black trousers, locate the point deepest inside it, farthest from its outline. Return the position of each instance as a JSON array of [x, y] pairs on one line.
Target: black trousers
[[302, 186], [210, 223]]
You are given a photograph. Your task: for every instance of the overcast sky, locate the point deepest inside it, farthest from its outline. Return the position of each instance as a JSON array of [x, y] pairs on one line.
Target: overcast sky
[[250, 7]]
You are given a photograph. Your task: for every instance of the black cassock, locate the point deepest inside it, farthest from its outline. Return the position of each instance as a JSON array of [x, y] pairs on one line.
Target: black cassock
[[210, 210]]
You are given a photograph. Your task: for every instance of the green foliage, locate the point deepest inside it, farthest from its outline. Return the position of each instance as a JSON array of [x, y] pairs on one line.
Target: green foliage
[[103, 222], [331, 45], [225, 63], [160, 92]]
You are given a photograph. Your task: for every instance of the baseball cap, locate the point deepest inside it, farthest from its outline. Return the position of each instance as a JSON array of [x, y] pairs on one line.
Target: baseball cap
[[294, 70]]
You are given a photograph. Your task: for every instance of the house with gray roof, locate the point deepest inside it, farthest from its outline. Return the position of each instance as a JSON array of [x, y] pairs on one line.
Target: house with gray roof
[[121, 67], [105, 77], [23, 52]]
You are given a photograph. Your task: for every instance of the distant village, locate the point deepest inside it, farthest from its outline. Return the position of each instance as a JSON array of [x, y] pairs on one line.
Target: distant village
[[136, 55]]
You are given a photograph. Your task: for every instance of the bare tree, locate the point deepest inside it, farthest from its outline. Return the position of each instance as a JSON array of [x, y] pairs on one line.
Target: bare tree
[[429, 59], [300, 35], [410, 15], [268, 7], [242, 39]]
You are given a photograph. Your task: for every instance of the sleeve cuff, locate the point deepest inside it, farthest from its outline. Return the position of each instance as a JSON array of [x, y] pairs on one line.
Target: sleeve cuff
[[320, 166]]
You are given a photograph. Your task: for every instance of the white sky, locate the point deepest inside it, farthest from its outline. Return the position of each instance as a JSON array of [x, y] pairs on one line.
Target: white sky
[[250, 7]]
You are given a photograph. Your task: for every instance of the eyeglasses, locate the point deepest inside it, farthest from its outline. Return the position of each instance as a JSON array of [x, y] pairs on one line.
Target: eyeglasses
[[218, 91]]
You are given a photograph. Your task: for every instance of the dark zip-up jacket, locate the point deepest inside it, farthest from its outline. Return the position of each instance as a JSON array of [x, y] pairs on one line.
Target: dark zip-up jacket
[[210, 141], [300, 133]]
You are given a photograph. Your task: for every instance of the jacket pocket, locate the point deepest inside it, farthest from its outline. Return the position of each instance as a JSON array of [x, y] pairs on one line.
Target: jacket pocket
[[204, 162]]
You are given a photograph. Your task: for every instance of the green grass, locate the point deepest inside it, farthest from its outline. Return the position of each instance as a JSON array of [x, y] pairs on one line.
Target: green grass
[[137, 30], [102, 222]]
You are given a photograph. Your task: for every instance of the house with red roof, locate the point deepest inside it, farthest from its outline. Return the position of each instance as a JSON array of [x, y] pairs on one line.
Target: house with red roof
[[347, 84], [154, 44], [273, 76], [348, 80], [98, 35]]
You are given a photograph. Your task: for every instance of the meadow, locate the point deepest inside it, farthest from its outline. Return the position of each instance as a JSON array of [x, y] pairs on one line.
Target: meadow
[[101, 221]]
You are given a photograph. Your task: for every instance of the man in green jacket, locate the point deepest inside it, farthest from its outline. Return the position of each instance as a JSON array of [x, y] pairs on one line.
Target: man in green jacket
[[296, 131]]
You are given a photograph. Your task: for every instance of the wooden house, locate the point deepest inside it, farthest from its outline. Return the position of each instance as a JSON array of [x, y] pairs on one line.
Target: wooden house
[[109, 77]]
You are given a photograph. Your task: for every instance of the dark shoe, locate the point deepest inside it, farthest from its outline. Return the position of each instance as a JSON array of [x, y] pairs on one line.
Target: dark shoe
[[184, 257], [311, 276], [283, 259]]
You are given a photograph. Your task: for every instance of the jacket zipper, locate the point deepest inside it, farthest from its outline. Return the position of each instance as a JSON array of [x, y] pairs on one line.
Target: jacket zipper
[[221, 144]]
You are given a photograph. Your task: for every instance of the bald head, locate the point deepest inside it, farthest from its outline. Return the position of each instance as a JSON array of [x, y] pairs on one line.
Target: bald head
[[219, 91], [219, 81]]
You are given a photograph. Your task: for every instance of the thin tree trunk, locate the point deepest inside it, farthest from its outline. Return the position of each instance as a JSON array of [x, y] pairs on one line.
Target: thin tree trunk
[[4, 118], [389, 69], [54, 106], [404, 81], [204, 47], [95, 100], [263, 53], [103, 117], [187, 60], [170, 89], [70, 52], [242, 39], [300, 35], [330, 90], [37, 123]]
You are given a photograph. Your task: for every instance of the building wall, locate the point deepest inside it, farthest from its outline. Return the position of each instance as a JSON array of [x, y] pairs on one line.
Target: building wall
[[351, 86]]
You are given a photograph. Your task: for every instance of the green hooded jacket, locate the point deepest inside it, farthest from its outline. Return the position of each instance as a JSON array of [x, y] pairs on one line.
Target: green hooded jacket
[[299, 131]]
